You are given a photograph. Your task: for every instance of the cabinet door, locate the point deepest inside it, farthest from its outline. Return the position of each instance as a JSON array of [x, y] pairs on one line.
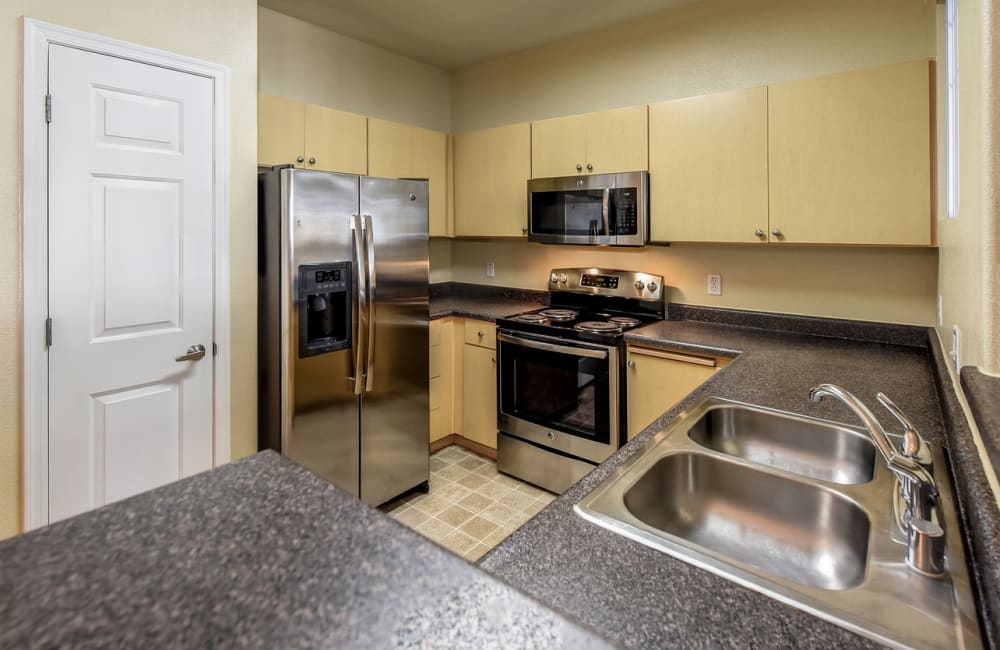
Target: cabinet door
[[336, 140], [708, 167], [659, 380], [492, 168], [441, 378], [280, 130], [617, 141], [402, 151], [480, 391], [559, 146], [850, 157]]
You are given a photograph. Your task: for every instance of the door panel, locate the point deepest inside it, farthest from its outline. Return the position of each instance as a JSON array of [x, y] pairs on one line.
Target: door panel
[[337, 140], [130, 278], [558, 145], [492, 167], [617, 140], [322, 432], [280, 130], [394, 423], [708, 167]]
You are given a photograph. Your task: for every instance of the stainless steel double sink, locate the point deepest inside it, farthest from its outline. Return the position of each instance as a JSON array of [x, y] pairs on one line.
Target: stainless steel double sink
[[797, 508]]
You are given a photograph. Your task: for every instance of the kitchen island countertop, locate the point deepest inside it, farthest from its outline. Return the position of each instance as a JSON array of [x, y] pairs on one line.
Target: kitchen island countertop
[[259, 553]]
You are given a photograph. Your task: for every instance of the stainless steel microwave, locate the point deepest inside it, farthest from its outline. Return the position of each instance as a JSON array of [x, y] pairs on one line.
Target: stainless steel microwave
[[597, 209]]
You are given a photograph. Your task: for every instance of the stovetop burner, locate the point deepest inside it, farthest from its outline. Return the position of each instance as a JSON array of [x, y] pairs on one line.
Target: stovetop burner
[[532, 318], [558, 315], [598, 326], [624, 321]]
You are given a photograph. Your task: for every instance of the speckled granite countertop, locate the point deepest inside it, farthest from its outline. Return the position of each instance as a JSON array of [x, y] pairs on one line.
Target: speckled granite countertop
[[644, 598], [481, 301], [983, 393], [259, 553]]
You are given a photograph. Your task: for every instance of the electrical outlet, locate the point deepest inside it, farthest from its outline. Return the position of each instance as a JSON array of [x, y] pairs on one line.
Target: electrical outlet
[[715, 285], [940, 311], [956, 347], [489, 269]]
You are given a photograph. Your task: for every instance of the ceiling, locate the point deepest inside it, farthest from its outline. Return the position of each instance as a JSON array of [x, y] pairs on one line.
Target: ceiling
[[451, 34]]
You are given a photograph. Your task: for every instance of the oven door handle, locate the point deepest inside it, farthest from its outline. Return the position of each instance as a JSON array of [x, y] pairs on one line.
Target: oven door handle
[[552, 347]]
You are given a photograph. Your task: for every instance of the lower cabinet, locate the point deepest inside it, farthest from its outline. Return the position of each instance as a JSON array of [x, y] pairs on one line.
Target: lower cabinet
[[658, 379], [442, 376], [479, 384]]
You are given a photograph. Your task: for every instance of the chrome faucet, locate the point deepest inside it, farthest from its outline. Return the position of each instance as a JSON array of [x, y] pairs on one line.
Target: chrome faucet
[[914, 470]]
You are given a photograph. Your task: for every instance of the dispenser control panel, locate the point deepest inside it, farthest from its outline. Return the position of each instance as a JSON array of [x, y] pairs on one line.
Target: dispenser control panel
[[324, 305]]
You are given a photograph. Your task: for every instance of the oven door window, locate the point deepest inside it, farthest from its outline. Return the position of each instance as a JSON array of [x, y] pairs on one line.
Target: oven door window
[[569, 212], [557, 390]]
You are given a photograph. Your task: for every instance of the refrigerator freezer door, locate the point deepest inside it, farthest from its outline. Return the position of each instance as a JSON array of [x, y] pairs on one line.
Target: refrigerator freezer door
[[321, 409], [394, 413]]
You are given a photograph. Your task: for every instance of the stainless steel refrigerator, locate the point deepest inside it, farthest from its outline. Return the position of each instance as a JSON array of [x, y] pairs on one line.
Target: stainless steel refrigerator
[[343, 320]]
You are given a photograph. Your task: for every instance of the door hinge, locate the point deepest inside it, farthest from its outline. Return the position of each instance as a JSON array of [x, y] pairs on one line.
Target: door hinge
[[48, 108], [48, 332], [215, 349]]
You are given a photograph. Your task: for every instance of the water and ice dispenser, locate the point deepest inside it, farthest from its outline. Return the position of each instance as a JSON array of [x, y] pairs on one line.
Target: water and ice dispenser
[[324, 308]]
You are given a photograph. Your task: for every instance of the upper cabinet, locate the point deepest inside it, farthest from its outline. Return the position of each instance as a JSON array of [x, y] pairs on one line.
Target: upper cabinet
[[708, 168], [310, 137], [850, 157], [402, 151], [492, 167], [593, 143]]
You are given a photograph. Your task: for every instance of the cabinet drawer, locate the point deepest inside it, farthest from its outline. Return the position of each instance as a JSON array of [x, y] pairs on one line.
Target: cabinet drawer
[[437, 360], [440, 424], [436, 388], [481, 333], [435, 332]]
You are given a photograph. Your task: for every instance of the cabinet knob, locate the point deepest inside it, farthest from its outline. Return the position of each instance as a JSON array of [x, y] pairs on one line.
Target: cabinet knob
[[776, 232], [524, 230], [631, 364], [300, 159], [759, 232], [590, 167], [482, 334], [312, 161], [579, 167], [493, 359]]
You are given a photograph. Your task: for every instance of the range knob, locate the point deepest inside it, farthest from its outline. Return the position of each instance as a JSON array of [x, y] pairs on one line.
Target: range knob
[[563, 279], [639, 285], [554, 278], [651, 286]]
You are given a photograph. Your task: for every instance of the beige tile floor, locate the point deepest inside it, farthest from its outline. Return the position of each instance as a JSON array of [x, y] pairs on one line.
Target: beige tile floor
[[471, 506]]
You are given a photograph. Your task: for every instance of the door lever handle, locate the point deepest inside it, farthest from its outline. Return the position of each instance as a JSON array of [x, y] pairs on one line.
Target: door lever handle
[[195, 352]]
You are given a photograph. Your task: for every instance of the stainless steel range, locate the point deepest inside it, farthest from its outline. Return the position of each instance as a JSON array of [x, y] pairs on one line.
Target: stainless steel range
[[561, 374]]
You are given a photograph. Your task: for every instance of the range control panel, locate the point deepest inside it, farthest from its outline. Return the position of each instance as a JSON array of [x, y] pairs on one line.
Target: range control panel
[[608, 282], [600, 281]]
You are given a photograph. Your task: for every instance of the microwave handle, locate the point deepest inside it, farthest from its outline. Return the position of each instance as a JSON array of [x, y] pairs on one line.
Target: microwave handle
[[605, 210]]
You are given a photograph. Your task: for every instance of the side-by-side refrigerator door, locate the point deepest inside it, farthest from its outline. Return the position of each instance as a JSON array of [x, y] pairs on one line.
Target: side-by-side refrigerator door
[[321, 328], [394, 411]]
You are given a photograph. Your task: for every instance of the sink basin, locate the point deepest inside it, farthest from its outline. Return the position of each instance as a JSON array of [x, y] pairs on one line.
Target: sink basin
[[794, 530], [805, 446], [797, 508]]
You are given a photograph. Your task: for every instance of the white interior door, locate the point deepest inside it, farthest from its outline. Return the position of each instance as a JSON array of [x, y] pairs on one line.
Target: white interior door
[[130, 278]]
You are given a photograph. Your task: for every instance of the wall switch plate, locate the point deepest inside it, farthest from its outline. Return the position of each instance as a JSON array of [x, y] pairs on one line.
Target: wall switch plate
[[715, 285], [489, 269], [956, 347]]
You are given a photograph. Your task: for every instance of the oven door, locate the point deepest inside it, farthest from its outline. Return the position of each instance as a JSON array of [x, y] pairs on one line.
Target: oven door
[[559, 394]]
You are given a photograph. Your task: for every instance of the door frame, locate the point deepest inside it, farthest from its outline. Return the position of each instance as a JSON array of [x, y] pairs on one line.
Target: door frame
[[37, 36]]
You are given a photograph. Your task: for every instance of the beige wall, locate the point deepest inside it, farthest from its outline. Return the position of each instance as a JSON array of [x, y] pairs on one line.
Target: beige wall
[[783, 279], [221, 31], [712, 46], [966, 280], [706, 47], [313, 64]]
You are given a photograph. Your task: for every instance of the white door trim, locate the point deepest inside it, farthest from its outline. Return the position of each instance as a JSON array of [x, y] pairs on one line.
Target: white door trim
[[37, 36]]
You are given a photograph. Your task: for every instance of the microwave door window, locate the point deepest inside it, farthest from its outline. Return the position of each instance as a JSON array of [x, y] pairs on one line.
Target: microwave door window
[[576, 212]]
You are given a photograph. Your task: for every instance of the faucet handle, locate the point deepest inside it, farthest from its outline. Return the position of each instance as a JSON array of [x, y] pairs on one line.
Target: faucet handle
[[925, 547], [914, 445]]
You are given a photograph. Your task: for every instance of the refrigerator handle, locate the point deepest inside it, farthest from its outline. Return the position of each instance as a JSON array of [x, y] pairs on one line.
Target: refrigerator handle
[[370, 256], [361, 303]]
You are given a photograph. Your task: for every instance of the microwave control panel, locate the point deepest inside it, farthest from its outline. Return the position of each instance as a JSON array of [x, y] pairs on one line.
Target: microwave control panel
[[624, 200]]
